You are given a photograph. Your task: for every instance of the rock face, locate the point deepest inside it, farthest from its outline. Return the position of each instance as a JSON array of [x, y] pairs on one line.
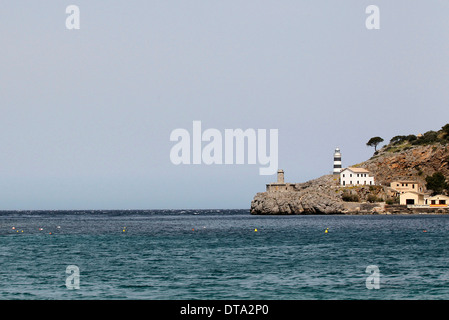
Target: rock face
[[319, 196], [293, 203], [324, 195], [410, 163]]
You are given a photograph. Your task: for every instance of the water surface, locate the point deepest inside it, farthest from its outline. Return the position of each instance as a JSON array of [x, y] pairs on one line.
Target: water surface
[[217, 254]]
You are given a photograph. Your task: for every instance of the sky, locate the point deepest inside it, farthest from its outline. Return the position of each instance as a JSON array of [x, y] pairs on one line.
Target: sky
[[86, 114]]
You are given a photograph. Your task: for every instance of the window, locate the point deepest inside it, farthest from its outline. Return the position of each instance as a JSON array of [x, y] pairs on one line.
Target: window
[[343, 175], [350, 175], [442, 201]]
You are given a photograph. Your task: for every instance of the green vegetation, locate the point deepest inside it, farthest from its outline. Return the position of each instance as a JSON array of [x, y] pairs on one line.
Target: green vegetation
[[402, 142], [445, 132], [373, 198], [402, 139], [349, 197], [374, 141], [429, 137], [392, 201], [375, 188], [437, 183]]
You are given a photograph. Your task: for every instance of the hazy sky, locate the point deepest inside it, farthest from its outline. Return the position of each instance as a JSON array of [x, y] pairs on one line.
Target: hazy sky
[[86, 114]]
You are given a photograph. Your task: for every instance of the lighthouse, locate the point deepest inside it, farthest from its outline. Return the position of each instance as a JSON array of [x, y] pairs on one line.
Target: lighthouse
[[337, 161]]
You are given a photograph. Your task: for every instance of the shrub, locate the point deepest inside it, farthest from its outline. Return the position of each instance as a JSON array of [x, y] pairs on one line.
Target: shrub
[[427, 138], [437, 183], [402, 139], [392, 201], [349, 197], [372, 198], [445, 130]]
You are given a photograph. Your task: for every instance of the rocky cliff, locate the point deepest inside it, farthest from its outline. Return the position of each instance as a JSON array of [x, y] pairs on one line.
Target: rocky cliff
[[325, 196], [319, 196], [312, 197], [407, 162]]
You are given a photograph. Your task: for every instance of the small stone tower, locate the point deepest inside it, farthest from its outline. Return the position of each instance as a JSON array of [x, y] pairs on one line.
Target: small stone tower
[[280, 185], [280, 176], [337, 161]]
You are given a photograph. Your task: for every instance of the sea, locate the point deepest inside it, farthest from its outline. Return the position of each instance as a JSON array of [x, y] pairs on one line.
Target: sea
[[221, 254]]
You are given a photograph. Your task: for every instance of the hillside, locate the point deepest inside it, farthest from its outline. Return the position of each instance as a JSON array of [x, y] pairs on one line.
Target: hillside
[[404, 157], [411, 157]]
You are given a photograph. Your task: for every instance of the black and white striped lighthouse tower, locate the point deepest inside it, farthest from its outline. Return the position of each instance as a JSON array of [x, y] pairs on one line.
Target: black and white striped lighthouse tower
[[337, 161]]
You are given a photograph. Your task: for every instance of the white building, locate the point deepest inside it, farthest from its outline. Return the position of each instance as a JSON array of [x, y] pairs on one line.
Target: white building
[[355, 177]]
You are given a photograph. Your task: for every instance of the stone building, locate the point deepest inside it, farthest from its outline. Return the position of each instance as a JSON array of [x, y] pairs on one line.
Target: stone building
[[438, 201], [280, 185], [402, 186], [421, 199], [411, 198]]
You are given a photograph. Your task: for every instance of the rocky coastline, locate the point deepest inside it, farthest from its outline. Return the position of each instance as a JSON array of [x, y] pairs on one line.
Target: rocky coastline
[[319, 196], [324, 195]]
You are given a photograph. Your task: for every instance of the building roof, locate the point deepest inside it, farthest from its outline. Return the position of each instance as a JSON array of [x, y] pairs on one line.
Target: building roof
[[418, 193], [438, 196], [356, 170], [405, 181]]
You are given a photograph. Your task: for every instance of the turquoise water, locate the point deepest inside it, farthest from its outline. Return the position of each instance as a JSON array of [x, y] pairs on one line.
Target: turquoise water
[[217, 254]]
